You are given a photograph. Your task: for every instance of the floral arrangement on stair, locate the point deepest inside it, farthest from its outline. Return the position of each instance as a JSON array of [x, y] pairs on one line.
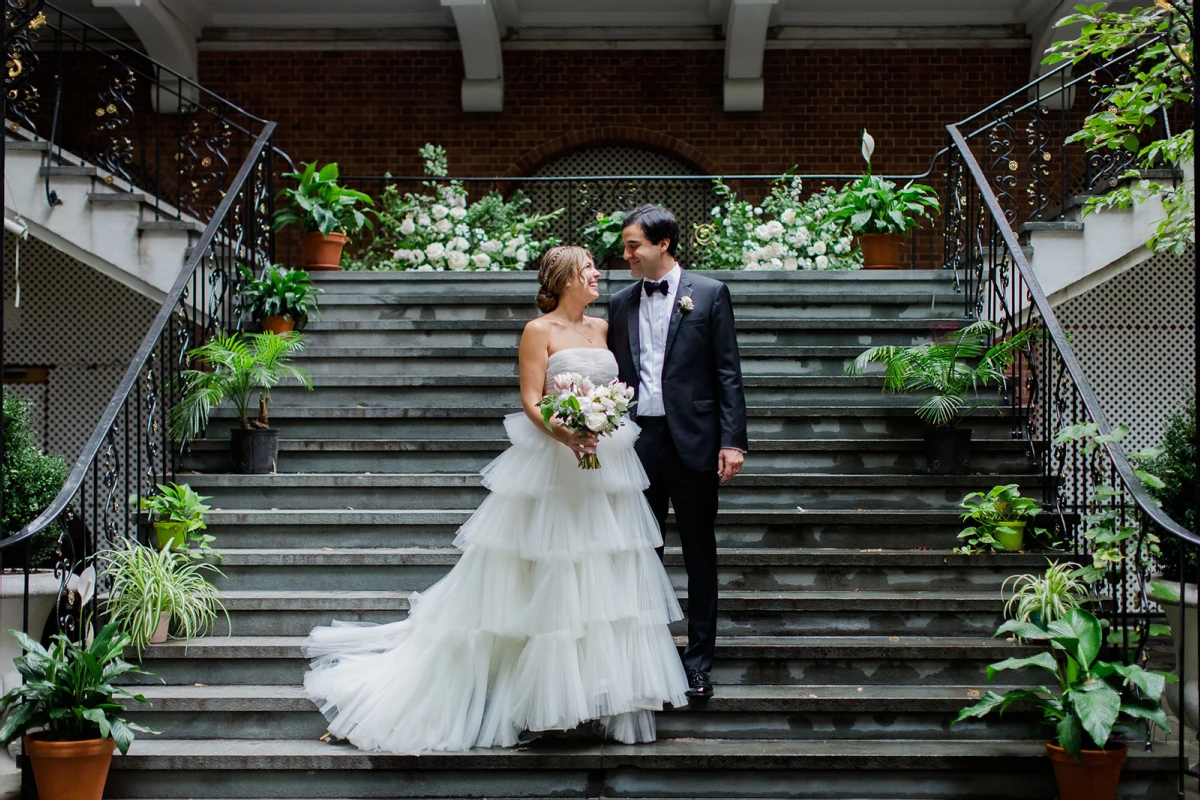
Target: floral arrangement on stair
[[784, 233], [442, 230]]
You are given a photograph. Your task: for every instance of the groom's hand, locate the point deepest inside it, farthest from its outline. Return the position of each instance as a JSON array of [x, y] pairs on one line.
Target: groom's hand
[[729, 463]]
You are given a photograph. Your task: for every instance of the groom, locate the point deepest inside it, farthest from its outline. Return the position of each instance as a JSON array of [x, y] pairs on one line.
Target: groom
[[672, 333]]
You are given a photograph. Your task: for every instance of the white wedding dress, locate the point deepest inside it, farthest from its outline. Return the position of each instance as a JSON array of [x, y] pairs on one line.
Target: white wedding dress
[[556, 612]]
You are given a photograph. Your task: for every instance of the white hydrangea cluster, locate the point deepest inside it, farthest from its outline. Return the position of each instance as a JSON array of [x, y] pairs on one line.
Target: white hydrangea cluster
[[440, 240]]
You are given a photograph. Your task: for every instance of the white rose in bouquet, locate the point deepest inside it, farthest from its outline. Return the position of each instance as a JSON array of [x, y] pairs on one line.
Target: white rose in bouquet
[[407, 227], [439, 211], [481, 260], [457, 260], [596, 421]]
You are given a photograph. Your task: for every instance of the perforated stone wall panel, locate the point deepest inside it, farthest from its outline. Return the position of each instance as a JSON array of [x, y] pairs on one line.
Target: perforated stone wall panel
[[83, 325], [1134, 336]]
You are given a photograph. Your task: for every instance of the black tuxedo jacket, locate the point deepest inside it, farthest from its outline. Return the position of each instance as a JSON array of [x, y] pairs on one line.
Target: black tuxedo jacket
[[702, 373]]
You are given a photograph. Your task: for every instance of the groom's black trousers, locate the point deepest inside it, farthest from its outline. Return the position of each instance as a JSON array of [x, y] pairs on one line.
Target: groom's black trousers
[[693, 495]]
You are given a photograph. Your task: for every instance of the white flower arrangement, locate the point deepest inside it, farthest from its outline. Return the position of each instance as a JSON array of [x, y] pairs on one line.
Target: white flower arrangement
[[444, 231], [784, 233]]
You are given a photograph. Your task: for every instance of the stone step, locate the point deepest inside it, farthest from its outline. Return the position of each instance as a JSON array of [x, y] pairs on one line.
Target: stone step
[[871, 420], [849, 529], [925, 573], [353, 389], [937, 769], [259, 607], [736, 712], [507, 332], [846, 456], [455, 490], [782, 660], [395, 303], [739, 281], [460, 365]]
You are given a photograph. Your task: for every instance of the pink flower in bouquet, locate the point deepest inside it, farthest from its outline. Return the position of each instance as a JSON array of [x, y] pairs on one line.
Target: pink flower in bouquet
[[562, 381]]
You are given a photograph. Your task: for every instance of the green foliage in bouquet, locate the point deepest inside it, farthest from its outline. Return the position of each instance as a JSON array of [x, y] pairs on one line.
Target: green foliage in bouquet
[[441, 230], [784, 233]]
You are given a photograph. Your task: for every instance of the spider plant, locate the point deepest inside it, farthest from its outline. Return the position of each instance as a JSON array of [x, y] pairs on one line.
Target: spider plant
[[148, 582], [1042, 599], [234, 367], [945, 368]]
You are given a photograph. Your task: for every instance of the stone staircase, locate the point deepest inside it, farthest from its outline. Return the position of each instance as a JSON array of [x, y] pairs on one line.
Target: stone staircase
[[850, 633]]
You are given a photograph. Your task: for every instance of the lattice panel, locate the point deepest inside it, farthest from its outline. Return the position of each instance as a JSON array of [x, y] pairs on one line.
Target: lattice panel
[[691, 201], [1134, 336], [83, 325]]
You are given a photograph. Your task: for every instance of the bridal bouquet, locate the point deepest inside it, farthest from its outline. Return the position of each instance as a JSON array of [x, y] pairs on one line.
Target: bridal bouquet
[[581, 406]]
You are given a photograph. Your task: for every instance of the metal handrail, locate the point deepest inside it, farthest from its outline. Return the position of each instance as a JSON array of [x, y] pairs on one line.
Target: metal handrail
[[76, 477], [1137, 490]]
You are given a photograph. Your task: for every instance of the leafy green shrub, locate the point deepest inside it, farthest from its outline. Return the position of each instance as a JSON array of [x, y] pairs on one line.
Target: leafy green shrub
[[32, 479], [1176, 468]]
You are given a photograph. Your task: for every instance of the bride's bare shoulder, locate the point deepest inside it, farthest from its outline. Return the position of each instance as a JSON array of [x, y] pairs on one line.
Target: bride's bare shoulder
[[601, 325]]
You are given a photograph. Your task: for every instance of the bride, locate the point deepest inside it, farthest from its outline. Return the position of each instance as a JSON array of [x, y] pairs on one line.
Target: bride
[[557, 611]]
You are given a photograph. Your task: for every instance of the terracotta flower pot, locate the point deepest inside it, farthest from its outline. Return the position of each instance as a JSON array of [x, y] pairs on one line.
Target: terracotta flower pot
[[318, 251], [881, 250], [160, 632], [69, 770], [278, 324], [1093, 777]]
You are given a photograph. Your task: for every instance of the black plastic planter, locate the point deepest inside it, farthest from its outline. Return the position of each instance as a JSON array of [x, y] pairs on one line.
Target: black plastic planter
[[948, 451], [254, 451]]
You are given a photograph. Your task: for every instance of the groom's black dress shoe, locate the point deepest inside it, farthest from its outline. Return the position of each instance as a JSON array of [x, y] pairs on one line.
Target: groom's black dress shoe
[[699, 685]]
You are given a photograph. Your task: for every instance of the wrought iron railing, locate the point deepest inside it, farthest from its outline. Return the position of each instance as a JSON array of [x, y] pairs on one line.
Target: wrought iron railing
[[1008, 166], [99, 102], [130, 450]]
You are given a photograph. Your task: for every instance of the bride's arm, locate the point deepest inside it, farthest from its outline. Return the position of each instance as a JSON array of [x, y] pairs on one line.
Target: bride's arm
[[534, 359]]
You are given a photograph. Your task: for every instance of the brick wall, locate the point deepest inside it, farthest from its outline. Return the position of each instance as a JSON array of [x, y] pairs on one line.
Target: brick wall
[[370, 111]]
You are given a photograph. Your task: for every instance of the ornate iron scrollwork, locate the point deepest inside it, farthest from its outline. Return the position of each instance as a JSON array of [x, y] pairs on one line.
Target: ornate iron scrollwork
[[114, 116], [203, 167], [23, 18]]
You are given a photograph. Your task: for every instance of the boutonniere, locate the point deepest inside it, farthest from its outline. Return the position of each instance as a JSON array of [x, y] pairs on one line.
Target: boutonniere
[[686, 305]]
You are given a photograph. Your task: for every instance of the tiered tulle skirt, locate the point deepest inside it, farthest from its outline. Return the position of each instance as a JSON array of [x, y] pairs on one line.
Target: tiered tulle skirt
[[555, 614]]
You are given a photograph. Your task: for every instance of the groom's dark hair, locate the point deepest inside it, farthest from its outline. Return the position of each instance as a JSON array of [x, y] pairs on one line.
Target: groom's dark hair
[[656, 222]]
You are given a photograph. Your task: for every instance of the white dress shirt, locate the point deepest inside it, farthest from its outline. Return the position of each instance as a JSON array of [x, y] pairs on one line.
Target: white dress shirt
[[654, 320]]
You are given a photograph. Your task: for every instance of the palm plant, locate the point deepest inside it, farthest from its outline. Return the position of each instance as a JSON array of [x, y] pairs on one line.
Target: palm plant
[[235, 367], [147, 582], [280, 292], [944, 368]]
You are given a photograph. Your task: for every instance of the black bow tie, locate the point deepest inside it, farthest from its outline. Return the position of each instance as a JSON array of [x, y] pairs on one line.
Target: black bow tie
[[656, 286]]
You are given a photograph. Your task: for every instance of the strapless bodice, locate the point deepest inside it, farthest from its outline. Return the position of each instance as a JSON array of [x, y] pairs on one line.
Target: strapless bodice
[[590, 362]]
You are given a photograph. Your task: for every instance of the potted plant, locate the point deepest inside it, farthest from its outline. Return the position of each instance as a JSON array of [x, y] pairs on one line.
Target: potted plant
[[153, 591], [1042, 599], [281, 299], [236, 367], [325, 211], [67, 711], [999, 519], [882, 214], [1093, 697], [950, 368], [177, 512]]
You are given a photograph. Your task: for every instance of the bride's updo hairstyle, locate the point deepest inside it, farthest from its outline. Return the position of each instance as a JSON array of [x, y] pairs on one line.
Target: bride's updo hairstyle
[[560, 266]]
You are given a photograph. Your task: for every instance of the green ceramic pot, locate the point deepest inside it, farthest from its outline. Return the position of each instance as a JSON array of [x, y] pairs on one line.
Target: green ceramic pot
[[172, 533], [1009, 536]]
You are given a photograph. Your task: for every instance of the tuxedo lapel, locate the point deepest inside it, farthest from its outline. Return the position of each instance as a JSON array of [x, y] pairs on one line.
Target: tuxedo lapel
[[685, 290], [633, 323]]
